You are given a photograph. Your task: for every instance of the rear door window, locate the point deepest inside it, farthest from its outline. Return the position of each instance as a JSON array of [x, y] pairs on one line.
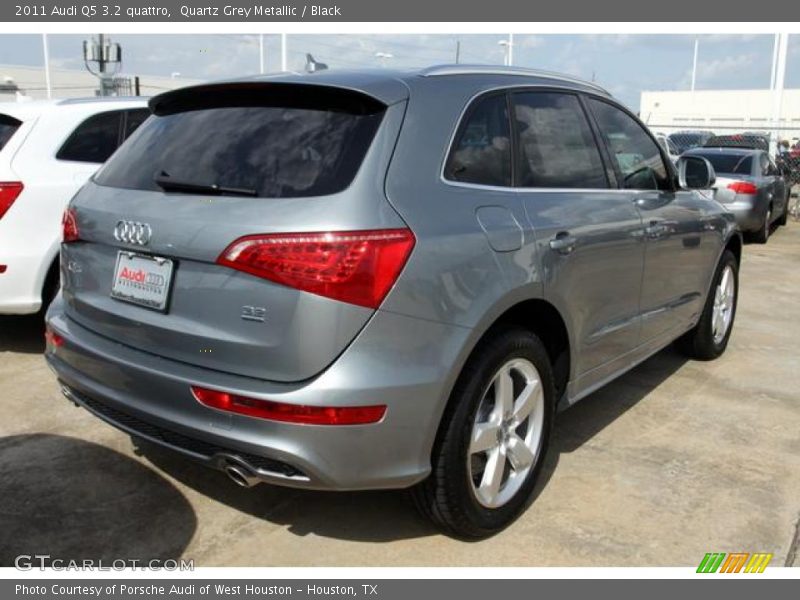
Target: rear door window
[[95, 139], [556, 145], [280, 146], [481, 153], [637, 156], [8, 127], [134, 118]]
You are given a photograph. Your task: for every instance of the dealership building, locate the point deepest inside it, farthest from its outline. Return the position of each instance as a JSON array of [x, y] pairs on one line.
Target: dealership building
[[721, 111]]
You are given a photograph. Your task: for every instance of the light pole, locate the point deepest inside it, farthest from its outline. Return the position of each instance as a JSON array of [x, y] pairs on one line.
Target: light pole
[[694, 62], [508, 45], [779, 72], [261, 53], [46, 52]]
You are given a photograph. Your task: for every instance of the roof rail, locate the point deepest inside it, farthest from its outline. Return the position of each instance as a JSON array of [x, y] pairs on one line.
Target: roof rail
[[441, 70]]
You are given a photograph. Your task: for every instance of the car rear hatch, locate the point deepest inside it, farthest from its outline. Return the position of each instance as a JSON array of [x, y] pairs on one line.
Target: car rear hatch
[[188, 237]]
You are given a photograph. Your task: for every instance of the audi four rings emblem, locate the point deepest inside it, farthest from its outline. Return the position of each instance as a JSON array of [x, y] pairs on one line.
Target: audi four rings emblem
[[132, 232]]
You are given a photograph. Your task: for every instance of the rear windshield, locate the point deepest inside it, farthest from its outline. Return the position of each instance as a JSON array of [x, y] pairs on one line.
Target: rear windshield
[[732, 164], [274, 145], [8, 126]]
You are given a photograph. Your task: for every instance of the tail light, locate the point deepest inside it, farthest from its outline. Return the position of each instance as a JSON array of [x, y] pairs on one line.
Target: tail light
[[9, 191], [289, 413], [69, 227], [742, 187], [358, 267], [52, 339]]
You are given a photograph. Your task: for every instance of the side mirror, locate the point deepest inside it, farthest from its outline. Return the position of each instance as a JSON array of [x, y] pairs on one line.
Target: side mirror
[[695, 173]]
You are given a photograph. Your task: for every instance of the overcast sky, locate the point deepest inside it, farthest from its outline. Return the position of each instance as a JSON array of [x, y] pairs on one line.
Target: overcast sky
[[625, 64]]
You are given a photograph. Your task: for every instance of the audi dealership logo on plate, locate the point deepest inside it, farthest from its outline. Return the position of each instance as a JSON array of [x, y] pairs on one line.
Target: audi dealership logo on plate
[[133, 232]]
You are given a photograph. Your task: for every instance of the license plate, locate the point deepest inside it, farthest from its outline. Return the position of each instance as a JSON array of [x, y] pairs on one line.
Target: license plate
[[143, 280]]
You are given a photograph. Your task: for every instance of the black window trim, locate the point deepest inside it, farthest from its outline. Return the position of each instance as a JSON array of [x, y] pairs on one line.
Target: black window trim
[[671, 174]]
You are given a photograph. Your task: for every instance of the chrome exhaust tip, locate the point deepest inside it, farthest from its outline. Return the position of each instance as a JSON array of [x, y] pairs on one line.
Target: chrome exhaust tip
[[240, 476]]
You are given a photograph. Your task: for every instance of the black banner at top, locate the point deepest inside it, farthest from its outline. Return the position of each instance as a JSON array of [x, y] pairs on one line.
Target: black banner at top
[[400, 11]]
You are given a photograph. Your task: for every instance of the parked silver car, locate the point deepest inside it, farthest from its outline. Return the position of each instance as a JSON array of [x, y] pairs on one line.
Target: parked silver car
[[751, 186], [357, 280]]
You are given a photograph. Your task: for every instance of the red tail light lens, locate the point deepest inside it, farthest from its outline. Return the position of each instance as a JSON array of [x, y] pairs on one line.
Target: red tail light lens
[[742, 187], [9, 191], [358, 267], [69, 227], [289, 413], [53, 339]]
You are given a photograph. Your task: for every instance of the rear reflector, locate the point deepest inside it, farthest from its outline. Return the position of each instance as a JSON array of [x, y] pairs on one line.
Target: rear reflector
[[742, 187], [9, 191], [53, 339], [289, 413], [358, 267], [3, 269], [69, 227]]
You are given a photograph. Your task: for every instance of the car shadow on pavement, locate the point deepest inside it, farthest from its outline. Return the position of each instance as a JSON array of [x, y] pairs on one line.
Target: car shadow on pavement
[[369, 516], [581, 422], [75, 500], [23, 334], [382, 516]]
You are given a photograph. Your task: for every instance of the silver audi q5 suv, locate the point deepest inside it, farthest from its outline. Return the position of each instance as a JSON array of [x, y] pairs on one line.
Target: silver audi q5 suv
[[377, 279]]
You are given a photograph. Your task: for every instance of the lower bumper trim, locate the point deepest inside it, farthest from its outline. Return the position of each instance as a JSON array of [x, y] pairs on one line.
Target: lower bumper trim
[[267, 468]]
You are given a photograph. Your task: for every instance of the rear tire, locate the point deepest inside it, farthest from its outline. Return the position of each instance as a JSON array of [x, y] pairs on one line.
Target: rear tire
[[52, 284], [784, 218], [762, 235], [479, 437], [706, 340]]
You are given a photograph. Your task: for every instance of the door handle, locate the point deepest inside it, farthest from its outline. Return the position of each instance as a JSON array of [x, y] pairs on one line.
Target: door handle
[[563, 242], [655, 229]]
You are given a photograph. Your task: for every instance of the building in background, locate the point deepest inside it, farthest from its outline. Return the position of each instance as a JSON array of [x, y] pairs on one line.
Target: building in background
[[721, 111], [30, 82]]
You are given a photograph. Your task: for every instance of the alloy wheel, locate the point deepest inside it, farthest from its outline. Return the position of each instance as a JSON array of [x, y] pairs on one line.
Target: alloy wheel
[[506, 434], [724, 298]]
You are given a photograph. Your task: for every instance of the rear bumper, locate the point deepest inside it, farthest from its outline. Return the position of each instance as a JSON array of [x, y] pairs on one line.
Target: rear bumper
[[749, 216], [405, 363], [20, 292]]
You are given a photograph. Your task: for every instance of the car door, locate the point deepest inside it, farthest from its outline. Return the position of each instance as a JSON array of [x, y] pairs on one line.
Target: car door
[[587, 232], [776, 185], [678, 230]]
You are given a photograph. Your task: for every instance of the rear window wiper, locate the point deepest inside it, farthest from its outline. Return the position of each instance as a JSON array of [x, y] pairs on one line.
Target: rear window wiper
[[168, 184]]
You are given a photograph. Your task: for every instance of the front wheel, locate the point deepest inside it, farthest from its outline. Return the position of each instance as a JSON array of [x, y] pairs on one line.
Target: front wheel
[[492, 439], [709, 338]]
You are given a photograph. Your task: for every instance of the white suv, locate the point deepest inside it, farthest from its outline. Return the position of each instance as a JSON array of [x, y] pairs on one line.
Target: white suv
[[48, 150]]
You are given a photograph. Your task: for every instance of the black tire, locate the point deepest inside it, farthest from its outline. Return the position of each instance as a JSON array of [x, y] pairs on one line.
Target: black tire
[[784, 218], [698, 342], [446, 497], [762, 235], [52, 284]]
